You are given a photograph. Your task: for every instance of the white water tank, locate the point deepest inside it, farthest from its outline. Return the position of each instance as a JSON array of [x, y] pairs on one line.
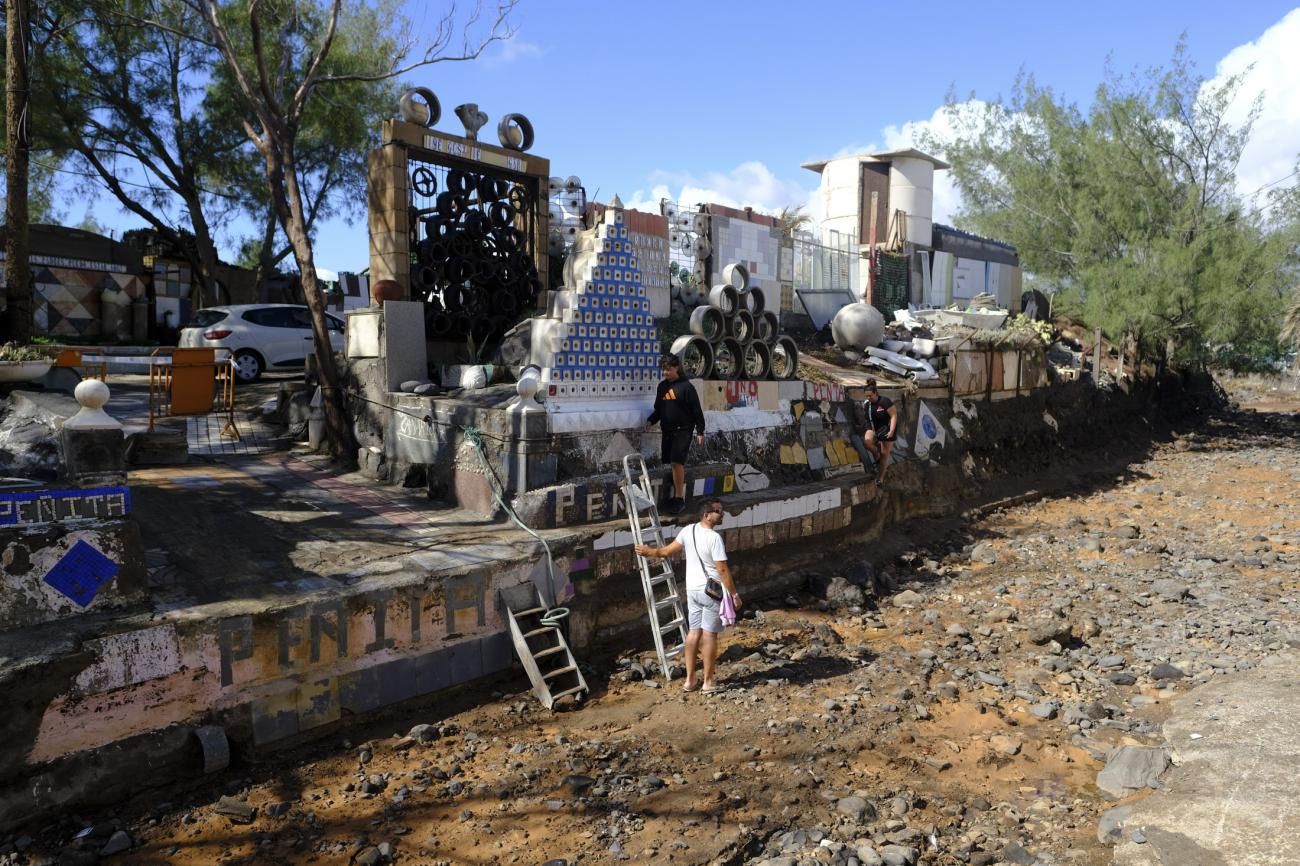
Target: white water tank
[[911, 190]]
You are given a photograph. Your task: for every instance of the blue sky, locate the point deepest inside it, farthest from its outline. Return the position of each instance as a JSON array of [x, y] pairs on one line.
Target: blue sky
[[725, 99]]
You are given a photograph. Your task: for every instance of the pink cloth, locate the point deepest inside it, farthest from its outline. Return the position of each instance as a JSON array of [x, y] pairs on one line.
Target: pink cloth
[[728, 610]]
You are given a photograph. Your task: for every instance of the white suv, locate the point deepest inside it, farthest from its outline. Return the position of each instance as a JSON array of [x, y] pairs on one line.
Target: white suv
[[260, 337]]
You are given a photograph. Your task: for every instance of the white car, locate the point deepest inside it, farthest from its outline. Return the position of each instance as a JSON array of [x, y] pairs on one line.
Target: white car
[[260, 337]]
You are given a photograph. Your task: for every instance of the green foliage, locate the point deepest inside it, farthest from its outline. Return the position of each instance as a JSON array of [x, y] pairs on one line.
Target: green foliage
[[1129, 208]]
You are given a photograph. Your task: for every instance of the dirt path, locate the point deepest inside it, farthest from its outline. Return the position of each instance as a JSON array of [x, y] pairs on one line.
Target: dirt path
[[961, 719]]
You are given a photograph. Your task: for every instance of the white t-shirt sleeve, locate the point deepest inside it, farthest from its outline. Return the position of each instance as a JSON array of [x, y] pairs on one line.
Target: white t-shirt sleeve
[[717, 550]]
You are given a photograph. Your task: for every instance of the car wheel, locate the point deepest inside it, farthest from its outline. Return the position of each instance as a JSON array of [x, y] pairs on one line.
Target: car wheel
[[248, 365]]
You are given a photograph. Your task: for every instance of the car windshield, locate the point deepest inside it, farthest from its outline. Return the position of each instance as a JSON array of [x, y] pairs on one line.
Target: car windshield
[[207, 318]]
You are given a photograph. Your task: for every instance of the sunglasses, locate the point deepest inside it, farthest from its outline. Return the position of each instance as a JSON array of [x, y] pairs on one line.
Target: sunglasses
[[715, 511]]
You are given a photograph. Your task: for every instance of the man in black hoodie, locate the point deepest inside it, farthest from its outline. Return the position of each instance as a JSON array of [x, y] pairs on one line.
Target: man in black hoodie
[[677, 410]]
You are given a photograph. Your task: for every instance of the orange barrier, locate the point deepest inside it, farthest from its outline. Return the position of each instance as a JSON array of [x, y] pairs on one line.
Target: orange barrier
[[74, 359], [184, 382]]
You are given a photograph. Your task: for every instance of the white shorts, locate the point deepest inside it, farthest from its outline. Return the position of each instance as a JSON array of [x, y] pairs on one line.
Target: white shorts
[[703, 612]]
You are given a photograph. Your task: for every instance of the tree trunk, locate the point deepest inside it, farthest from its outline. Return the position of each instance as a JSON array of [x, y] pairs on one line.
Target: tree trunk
[[338, 429], [206, 272], [18, 275], [266, 255]]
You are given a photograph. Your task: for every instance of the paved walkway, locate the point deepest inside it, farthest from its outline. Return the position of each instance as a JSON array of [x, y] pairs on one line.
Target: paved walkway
[[1232, 798]]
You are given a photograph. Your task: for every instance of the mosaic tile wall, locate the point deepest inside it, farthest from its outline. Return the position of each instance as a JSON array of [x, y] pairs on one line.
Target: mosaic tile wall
[[67, 299], [599, 338], [755, 245]]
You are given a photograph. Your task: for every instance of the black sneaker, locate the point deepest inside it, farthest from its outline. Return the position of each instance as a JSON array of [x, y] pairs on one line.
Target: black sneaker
[[675, 506]]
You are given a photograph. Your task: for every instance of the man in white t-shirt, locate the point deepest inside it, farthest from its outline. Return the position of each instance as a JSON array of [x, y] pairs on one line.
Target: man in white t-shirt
[[706, 557]]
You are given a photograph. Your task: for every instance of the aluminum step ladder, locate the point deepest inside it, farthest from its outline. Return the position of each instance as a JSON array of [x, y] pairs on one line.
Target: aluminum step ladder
[[541, 647], [666, 605]]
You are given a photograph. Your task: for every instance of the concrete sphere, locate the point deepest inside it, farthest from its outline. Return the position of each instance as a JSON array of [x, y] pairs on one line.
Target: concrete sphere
[[92, 394], [857, 326]]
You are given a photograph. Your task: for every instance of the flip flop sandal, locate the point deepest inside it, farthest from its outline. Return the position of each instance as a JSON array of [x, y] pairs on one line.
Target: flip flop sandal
[[694, 688]]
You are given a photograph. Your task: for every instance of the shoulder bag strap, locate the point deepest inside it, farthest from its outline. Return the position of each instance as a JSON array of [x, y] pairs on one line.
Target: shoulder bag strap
[[695, 543]]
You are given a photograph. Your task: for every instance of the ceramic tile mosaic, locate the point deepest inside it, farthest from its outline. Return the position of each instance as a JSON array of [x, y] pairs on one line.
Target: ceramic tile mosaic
[[599, 339]]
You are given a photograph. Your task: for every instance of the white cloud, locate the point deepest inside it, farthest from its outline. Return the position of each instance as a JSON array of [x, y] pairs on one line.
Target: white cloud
[[750, 184], [512, 51], [1274, 68]]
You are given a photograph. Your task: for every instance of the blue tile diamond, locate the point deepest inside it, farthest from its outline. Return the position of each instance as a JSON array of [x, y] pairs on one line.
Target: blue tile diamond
[[81, 573]]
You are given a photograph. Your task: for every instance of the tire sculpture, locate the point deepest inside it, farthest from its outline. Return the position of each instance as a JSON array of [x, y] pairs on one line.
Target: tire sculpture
[[732, 329], [476, 271]]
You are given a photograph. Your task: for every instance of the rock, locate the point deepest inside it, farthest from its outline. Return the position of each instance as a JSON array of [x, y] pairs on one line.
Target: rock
[[1016, 853], [856, 808], [423, 733], [1111, 825], [840, 593], [428, 389], [984, 552], [899, 855], [578, 783], [1046, 628], [907, 598], [1112, 661], [409, 386], [867, 856], [1166, 671], [1121, 678], [1171, 589], [1131, 768], [117, 843], [368, 856], [1126, 530], [236, 810], [991, 679], [1005, 745], [1045, 710]]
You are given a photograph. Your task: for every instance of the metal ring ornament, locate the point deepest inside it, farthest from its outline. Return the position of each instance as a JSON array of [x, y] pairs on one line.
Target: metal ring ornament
[[707, 322], [412, 111], [725, 298], [492, 188], [740, 327], [424, 181], [728, 359], [758, 360], [737, 275], [501, 213], [696, 356], [785, 359], [459, 182], [515, 132]]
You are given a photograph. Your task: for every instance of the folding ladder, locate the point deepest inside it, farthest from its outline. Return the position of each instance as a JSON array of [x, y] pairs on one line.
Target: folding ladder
[[541, 647], [667, 607]]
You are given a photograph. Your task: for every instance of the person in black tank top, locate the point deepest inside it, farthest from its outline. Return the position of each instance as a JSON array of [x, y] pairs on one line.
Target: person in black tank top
[[882, 428]]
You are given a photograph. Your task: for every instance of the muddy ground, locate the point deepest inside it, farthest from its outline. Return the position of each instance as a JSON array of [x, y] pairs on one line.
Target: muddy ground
[[960, 717]]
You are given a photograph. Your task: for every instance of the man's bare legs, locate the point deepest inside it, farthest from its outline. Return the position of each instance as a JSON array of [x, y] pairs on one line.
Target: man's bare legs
[[679, 480], [709, 655], [692, 649]]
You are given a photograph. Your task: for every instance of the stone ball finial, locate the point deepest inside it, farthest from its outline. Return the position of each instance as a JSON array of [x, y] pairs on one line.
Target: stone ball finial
[[92, 394]]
